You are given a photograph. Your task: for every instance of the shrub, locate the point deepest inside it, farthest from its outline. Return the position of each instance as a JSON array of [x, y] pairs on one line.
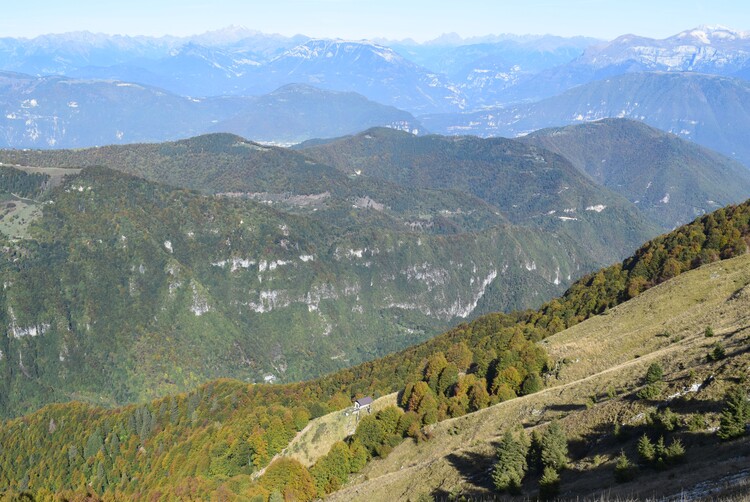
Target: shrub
[[696, 423], [666, 420], [650, 391], [709, 332], [533, 383], [654, 373], [717, 353]]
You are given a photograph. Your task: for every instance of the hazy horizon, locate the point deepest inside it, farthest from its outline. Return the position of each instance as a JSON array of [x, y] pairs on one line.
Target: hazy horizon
[[389, 19]]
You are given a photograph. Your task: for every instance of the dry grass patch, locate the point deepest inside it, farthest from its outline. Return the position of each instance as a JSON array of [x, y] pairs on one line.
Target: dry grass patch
[[316, 439]]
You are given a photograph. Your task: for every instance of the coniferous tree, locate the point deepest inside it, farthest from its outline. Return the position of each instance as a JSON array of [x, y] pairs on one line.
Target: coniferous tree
[[549, 483], [511, 465], [554, 447], [736, 414], [624, 469], [646, 450], [654, 373]]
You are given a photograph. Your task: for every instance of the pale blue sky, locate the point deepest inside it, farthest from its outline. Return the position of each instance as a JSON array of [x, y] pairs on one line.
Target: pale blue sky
[[356, 19]]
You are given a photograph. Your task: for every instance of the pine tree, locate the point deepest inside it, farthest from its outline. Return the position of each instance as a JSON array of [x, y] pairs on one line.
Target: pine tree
[[736, 414], [646, 449], [624, 469], [554, 447], [549, 484], [675, 452], [511, 465], [661, 452]]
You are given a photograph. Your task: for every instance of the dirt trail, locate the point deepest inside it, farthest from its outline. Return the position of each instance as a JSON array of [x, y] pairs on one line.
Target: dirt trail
[[259, 473]]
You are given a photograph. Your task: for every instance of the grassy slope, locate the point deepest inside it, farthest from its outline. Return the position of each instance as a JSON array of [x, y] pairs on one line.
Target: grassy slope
[[316, 439], [610, 351]]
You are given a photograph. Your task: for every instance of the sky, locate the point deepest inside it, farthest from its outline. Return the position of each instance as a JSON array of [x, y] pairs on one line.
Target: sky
[[357, 19]]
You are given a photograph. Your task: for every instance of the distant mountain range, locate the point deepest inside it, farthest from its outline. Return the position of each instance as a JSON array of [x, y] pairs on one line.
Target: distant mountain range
[[707, 49], [252, 84], [450, 72], [373, 70], [709, 110], [60, 112]]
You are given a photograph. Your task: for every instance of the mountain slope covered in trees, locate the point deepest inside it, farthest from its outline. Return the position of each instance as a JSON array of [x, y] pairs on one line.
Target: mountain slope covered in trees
[[428, 182], [121, 289], [530, 185], [486, 361], [670, 179]]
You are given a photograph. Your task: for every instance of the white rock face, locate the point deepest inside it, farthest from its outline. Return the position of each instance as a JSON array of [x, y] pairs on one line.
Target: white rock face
[[200, 304], [235, 263], [426, 273], [168, 246], [31, 331], [598, 208], [17, 331], [458, 309], [269, 300]]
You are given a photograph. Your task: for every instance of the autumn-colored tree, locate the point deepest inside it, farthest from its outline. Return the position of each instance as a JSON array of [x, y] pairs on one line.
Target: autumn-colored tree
[[291, 478], [478, 396], [460, 355]]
